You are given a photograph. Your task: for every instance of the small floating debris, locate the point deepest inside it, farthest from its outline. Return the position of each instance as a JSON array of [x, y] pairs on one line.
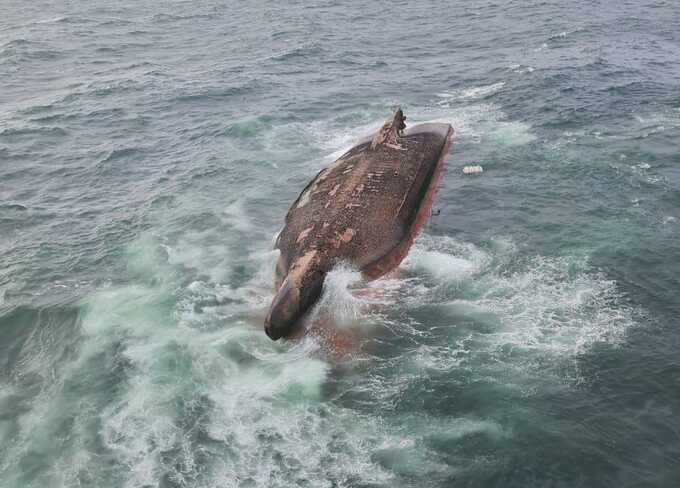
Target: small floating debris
[[470, 170]]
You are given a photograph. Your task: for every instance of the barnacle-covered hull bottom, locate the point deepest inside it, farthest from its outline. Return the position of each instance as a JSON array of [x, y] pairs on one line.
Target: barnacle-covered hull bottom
[[365, 209]]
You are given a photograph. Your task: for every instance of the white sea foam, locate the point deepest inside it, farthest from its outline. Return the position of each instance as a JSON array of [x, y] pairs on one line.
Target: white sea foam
[[337, 300], [549, 308], [477, 123], [564, 34], [556, 305], [441, 265], [235, 215], [473, 121], [446, 259], [338, 137], [263, 413], [181, 370], [472, 93]]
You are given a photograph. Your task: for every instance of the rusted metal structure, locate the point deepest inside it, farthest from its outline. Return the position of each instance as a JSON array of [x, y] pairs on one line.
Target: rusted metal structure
[[365, 209]]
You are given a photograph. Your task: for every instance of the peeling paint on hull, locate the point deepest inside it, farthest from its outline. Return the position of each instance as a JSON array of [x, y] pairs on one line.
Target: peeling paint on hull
[[366, 209]]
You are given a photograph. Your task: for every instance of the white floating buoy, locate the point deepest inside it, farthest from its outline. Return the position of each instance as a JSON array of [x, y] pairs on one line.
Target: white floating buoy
[[469, 170]]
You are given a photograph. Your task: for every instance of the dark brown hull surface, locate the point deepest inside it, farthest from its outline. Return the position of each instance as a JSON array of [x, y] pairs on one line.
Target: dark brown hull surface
[[365, 210]]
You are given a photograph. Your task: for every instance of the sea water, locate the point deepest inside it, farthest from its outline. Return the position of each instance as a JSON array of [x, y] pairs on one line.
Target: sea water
[[149, 152]]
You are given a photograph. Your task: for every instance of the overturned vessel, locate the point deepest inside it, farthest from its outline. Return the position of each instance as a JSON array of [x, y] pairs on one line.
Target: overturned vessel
[[365, 209]]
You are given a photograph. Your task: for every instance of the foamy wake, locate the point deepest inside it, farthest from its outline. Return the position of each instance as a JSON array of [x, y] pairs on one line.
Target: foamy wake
[[501, 313], [198, 395], [204, 398]]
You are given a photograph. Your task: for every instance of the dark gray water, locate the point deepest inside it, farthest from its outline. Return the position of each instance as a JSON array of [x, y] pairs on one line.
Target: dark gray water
[[148, 154]]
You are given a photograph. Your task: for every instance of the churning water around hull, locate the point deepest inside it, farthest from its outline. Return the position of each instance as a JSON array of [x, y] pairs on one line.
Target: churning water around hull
[[160, 389], [148, 155]]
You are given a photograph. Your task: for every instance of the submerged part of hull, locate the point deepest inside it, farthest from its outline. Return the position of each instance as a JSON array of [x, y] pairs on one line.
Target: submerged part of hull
[[365, 209]]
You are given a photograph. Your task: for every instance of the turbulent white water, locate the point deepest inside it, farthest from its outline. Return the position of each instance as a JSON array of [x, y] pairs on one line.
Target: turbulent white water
[[148, 154], [193, 381], [198, 395]]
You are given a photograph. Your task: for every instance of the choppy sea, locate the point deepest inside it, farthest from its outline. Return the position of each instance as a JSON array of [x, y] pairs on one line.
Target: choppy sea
[[149, 152]]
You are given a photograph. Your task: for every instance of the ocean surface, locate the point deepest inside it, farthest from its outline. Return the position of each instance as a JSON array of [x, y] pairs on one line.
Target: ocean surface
[[149, 152]]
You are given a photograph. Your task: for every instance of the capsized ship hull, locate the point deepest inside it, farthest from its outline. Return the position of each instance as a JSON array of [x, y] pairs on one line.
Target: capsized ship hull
[[365, 209]]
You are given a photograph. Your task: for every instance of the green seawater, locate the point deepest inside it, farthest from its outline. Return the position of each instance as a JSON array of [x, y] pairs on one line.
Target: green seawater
[[149, 152]]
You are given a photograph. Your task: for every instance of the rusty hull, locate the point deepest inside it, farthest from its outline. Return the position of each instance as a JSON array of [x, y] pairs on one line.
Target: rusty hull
[[365, 209]]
